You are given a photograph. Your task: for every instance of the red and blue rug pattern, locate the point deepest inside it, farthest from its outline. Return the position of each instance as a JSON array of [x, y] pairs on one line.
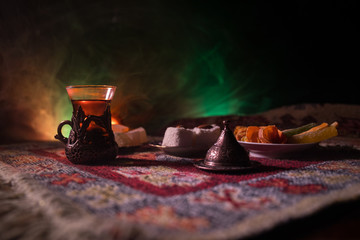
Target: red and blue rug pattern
[[170, 197]]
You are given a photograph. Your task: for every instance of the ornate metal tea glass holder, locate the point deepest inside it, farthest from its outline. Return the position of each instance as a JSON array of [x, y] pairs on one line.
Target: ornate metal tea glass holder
[[91, 138]]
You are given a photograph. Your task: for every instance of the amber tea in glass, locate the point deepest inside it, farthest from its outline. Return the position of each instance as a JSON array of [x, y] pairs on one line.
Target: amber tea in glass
[[91, 138]]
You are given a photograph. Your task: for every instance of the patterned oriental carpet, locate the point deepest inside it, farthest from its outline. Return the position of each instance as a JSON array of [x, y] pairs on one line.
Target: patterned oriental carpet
[[146, 194]]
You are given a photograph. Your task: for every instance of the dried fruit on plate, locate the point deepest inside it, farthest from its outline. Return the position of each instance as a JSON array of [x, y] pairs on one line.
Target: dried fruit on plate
[[303, 128], [240, 132], [308, 133], [252, 134], [259, 134], [270, 134], [316, 134]]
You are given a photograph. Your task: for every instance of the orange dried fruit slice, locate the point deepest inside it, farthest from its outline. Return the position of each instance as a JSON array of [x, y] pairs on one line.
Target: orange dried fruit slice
[[267, 134], [240, 132], [252, 134], [271, 134]]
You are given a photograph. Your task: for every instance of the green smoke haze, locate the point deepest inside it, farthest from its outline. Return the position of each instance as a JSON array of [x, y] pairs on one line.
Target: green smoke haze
[[169, 59]]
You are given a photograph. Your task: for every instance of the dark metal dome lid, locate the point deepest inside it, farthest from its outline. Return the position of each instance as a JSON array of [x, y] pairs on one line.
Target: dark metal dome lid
[[227, 151]]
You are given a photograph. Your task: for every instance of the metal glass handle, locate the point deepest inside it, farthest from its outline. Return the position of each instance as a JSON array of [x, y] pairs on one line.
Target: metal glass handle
[[59, 135]]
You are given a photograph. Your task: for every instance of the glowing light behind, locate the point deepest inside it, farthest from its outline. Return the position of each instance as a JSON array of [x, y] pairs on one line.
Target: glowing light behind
[[165, 63], [168, 61]]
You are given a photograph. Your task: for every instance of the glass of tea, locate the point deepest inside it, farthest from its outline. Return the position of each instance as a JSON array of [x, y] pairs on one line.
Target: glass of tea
[[91, 139]]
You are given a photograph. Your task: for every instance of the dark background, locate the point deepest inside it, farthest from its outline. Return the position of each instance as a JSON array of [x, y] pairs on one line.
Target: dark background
[[172, 59]]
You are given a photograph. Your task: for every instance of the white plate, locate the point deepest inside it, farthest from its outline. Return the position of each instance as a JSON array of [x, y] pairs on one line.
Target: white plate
[[191, 152], [274, 150]]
